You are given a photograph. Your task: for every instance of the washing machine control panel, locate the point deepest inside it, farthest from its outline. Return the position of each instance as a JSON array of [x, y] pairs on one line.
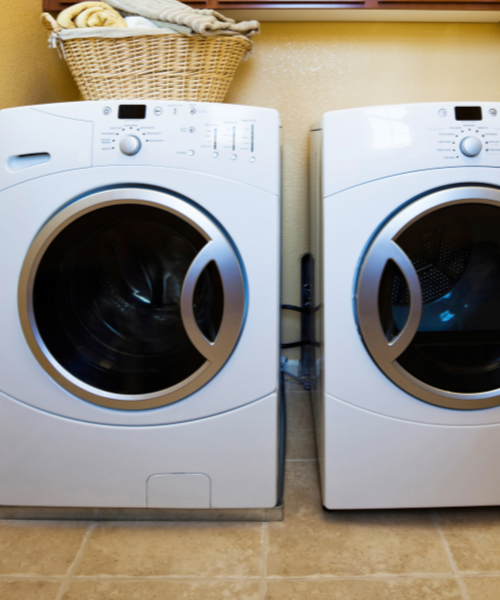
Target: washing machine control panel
[[165, 132], [231, 141]]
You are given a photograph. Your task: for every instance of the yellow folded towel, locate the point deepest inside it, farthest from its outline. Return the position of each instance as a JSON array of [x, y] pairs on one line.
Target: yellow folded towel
[[90, 14]]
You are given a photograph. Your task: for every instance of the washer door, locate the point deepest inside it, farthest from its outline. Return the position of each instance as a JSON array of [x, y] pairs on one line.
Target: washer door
[[131, 298], [428, 298]]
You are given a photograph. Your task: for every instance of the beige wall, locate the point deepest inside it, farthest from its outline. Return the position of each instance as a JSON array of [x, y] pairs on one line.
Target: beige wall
[[302, 70], [30, 73]]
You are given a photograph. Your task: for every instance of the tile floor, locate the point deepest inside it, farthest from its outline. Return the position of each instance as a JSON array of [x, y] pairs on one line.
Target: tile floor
[[449, 554]]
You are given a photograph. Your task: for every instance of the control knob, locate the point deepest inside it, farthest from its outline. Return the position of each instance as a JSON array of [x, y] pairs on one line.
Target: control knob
[[471, 146], [130, 145]]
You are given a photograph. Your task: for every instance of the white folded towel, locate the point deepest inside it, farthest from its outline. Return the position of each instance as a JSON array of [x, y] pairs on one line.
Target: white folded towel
[[135, 22], [139, 22]]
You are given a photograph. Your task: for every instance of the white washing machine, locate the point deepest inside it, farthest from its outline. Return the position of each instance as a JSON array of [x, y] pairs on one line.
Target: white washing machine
[[140, 271], [406, 241]]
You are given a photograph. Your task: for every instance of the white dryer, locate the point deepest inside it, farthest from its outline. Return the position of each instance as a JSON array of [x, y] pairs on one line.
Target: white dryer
[[140, 270], [406, 241]]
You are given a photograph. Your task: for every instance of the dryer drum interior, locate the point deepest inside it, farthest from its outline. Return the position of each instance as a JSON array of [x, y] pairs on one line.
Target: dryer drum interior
[[429, 298], [128, 302]]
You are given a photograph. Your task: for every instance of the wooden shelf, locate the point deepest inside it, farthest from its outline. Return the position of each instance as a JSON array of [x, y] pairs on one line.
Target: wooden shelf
[[57, 5], [423, 5]]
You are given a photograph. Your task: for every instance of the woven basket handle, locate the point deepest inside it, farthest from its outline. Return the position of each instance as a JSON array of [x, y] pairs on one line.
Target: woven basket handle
[[50, 23]]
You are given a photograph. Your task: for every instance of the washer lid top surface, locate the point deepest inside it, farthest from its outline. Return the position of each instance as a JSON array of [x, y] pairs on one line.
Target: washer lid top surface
[[131, 298], [428, 293]]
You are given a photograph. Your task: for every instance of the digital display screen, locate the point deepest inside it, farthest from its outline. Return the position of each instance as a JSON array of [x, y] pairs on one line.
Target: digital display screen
[[132, 111], [468, 113]]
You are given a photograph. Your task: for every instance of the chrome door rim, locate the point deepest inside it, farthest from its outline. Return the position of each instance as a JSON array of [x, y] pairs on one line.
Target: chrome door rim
[[384, 248], [217, 249]]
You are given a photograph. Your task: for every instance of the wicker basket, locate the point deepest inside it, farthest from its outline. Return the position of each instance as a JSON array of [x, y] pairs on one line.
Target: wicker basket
[[160, 67]]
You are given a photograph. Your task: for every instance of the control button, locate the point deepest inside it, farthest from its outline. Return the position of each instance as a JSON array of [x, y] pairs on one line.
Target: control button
[[192, 130], [471, 146], [130, 145], [191, 153], [234, 156], [493, 112], [106, 110], [215, 154], [252, 159], [442, 112], [158, 111], [193, 111]]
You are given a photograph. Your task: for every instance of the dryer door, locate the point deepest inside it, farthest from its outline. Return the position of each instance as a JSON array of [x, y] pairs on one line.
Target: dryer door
[[428, 298], [131, 298]]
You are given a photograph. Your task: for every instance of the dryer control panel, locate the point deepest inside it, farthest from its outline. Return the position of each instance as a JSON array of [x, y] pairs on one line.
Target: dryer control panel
[[468, 135], [391, 140], [241, 143]]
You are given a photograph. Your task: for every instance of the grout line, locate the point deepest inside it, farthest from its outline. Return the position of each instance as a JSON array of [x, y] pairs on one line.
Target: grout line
[[461, 583], [473, 574], [125, 578], [377, 577], [202, 578], [145, 578], [374, 577], [49, 578], [300, 459], [263, 563], [72, 568]]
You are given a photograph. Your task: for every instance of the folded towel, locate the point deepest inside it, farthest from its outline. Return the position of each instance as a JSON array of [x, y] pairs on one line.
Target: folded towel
[[139, 22], [90, 14], [203, 21]]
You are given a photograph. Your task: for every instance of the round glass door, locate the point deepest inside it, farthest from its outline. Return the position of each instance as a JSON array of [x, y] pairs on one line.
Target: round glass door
[[428, 298], [131, 298]]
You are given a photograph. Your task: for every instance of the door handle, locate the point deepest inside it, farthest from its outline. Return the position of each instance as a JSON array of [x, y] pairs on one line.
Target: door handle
[[400, 342], [233, 294], [382, 349]]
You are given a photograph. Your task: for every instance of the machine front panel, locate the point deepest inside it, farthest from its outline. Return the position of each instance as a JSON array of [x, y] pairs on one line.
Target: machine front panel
[[391, 140]]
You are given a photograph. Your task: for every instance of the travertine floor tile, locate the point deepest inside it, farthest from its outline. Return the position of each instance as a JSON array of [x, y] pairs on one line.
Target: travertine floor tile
[[39, 547], [300, 441], [312, 541], [144, 549], [163, 590], [28, 590], [474, 537], [483, 588], [302, 491], [357, 589]]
